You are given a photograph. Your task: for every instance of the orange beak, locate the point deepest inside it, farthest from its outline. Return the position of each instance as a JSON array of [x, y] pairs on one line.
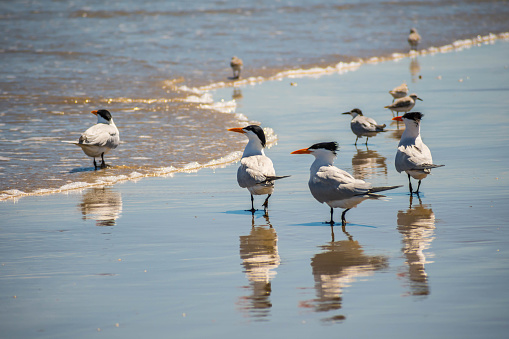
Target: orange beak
[[302, 151], [94, 112], [397, 118], [237, 129]]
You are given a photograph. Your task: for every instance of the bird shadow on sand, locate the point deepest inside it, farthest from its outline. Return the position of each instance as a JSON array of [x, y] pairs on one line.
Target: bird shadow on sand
[[82, 169], [246, 212], [337, 224]]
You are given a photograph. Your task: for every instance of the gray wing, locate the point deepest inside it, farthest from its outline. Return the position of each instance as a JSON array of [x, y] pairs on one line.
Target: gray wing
[[254, 170], [331, 183], [412, 157], [101, 135]]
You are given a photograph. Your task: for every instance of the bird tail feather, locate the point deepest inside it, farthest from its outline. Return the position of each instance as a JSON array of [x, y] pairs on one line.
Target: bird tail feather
[[275, 177], [382, 188]]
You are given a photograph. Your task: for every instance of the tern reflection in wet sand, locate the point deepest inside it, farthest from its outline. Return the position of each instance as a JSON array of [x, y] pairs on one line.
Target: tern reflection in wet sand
[[413, 156], [335, 268], [363, 126], [260, 258], [100, 138], [368, 163], [416, 226], [256, 171], [101, 204], [403, 104], [333, 186]]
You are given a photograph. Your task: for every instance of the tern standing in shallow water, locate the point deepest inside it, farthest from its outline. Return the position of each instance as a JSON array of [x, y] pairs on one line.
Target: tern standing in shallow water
[[399, 92], [404, 104], [413, 156], [363, 126], [256, 171], [414, 38], [236, 65], [100, 138], [333, 186]]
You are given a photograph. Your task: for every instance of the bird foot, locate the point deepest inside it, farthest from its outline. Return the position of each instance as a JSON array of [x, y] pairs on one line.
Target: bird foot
[[329, 222], [252, 210]]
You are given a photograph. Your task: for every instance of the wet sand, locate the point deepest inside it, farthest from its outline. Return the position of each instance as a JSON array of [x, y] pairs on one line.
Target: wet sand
[[178, 256]]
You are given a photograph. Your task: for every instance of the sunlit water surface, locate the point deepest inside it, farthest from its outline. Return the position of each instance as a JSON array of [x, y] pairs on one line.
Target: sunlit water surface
[[179, 257]]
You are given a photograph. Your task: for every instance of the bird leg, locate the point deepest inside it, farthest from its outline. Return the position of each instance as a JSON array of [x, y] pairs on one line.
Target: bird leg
[[331, 222], [367, 141], [418, 186], [252, 210], [266, 203], [409, 184], [343, 220], [356, 141], [103, 164], [95, 164]]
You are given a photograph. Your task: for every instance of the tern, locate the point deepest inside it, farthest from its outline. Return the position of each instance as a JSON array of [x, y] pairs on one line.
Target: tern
[[100, 138], [414, 38], [399, 92], [363, 126], [333, 186], [404, 104], [413, 156], [256, 171], [236, 65]]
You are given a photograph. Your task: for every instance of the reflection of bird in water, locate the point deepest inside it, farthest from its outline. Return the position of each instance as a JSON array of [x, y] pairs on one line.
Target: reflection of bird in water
[[413, 39], [399, 92], [415, 68], [101, 204], [416, 225], [237, 94], [363, 126], [260, 258], [333, 186], [236, 65], [338, 265], [368, 163]]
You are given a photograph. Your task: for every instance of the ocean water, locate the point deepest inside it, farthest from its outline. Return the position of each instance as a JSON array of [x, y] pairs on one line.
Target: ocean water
[[151, 63], [180, 257]]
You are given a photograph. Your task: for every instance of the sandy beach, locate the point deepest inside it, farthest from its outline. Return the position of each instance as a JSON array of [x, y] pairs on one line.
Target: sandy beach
[[179, 257]]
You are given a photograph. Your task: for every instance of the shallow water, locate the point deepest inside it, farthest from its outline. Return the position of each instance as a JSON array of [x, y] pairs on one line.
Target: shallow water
[[178, 256], [61, 60]]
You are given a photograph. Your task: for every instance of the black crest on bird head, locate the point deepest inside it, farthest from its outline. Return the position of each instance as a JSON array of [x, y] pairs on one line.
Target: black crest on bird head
[[330, 146], [104, 114], [415, 116], [356, 110], [258, 131]]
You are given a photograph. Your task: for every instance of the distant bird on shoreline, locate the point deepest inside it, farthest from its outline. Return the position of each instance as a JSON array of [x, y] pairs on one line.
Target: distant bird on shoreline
[[256, 171], [333, 186], [413, 39], [399, 92], [236, 65], [363, 126], [403, 104], [100, 138], [413, 156]]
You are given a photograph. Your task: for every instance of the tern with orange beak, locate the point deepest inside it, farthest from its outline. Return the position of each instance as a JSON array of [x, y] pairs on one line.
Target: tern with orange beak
[[100, 138], [256, 171], [333, 186], [413, 156]]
